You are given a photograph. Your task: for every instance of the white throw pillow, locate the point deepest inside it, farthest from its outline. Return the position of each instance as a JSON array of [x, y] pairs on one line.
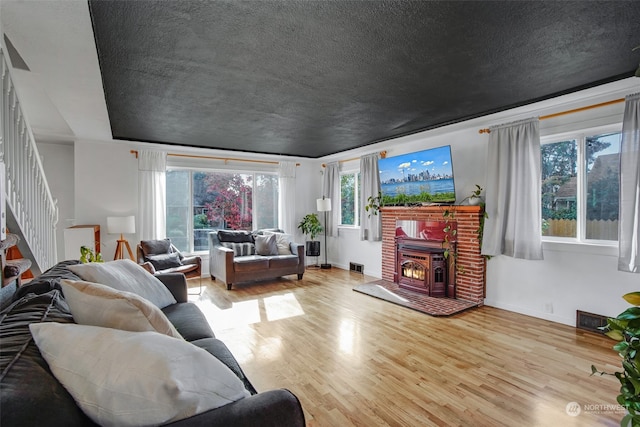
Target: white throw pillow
[[126, 275], [100, 305], [266, 245], [121, 378], [283, 242]]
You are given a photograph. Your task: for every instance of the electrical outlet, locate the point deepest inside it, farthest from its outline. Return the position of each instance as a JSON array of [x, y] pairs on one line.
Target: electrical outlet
[[548, 308]]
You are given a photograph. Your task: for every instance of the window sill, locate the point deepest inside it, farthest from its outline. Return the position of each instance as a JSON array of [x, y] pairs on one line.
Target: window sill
[[349, 227], [605, 249]]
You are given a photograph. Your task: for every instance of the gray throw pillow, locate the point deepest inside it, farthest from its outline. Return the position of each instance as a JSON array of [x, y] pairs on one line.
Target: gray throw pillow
[[164, 261], [266, 245], [155, 247]]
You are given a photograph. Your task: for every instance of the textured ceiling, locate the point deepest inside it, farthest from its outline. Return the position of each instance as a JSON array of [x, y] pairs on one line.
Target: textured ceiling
[[312, 78]]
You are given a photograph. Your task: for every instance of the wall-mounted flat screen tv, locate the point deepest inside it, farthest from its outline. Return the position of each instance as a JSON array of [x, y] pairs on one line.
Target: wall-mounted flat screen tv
[[423, 177]]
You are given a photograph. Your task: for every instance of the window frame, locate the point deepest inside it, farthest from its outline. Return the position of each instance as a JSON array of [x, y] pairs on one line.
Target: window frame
[[580, 136], [194, 169]]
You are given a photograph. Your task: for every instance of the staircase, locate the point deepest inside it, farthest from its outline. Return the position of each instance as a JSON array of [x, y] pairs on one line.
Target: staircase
[[31, 211]]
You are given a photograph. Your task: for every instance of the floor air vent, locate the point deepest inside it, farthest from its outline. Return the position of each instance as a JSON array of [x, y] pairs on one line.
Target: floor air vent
[[589, 321], [358, 268]]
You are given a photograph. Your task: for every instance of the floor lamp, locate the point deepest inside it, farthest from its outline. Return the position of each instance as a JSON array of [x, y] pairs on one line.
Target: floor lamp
[[324, 205], [122, 225]]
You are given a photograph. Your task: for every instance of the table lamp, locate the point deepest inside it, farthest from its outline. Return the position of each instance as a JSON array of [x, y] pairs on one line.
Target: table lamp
[[122, 225]]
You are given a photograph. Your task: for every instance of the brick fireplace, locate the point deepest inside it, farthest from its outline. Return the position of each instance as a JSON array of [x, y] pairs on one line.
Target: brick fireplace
[[467, 280]]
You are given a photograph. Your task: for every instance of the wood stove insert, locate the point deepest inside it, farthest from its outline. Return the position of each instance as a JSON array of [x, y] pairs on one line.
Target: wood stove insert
[[421, 264]]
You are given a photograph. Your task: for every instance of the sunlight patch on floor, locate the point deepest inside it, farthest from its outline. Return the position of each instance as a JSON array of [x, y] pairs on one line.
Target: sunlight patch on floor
[[240, 314], [346, 336], [282, 307], [249, 312]]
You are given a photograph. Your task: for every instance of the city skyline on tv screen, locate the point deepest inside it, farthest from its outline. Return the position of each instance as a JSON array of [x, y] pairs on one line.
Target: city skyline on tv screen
[[421, 177], [434, 163]]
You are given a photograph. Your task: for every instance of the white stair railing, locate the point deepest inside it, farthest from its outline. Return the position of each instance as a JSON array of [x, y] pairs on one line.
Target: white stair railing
[[27, 191]]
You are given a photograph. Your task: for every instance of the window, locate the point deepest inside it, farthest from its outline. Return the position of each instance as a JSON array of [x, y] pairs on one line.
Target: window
[[350, 198], [200, 201], [580, 187]]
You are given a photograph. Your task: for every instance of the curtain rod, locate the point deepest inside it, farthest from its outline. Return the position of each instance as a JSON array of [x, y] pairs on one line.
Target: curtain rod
[[383, 154], [226, 159], [575, 110]]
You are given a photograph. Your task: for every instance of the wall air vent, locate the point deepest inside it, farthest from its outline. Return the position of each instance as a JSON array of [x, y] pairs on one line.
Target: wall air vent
[[589, 321], [358, 268]]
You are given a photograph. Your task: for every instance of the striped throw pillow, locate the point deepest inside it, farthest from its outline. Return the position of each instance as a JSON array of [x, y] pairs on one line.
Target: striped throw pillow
[[240, 249]]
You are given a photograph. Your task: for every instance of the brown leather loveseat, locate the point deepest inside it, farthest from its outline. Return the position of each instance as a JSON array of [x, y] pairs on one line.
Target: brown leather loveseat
[[241, 256]]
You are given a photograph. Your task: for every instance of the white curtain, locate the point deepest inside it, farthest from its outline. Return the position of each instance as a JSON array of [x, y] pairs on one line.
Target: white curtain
[[370, 224], [331, 190], [512, 194], [629, 225], [152, 203], [287, 196]]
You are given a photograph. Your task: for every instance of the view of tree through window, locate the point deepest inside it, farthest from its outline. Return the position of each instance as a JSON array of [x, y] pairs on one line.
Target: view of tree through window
[[349, 198], [559, 188], [199, 202], [562, 201], [603, 186]]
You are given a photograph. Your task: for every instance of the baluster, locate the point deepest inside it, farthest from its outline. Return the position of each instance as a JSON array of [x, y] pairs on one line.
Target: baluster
[[19, 165], [24, 167], [32, 177], [3, 121], [28, 190], [16, 153], [11, 169]]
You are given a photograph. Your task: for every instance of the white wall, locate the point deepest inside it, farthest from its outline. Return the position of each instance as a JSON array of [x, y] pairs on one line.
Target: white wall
[[569, 279], [106, 184], [57, 161]]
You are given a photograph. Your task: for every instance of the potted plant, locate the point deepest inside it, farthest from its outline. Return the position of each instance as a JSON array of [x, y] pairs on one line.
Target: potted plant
[[475, 199], [87, 255], [373, 204], [626, 330], [310, 225]]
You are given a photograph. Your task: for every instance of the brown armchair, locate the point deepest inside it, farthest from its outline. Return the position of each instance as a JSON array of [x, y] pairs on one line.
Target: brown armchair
[[160, 256]]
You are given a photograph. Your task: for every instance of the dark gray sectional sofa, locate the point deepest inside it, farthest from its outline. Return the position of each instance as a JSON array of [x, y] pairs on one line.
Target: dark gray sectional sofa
[[31, 396]]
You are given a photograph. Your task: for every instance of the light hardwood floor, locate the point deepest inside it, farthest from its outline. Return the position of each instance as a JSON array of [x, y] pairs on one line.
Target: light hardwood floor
[[354, 360]]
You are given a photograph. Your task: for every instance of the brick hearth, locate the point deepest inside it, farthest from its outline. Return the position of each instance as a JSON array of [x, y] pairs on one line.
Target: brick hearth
[[470, 283]]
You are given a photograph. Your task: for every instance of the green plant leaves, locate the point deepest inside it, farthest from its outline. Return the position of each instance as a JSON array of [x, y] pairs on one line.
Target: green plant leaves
[[632, 298], [310, 225]]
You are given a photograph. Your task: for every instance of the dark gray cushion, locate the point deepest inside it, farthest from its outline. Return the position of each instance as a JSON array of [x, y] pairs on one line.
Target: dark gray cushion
[[189, 321], [237, 236], [266, 245], [155, 247], [250, 263], [49, 280], [222, 353], [283, 261], [164, 261], [30, 393]]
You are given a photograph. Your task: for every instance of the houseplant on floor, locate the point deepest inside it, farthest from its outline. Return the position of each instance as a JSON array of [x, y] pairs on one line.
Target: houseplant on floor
[[310, 225], [626, 330]]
